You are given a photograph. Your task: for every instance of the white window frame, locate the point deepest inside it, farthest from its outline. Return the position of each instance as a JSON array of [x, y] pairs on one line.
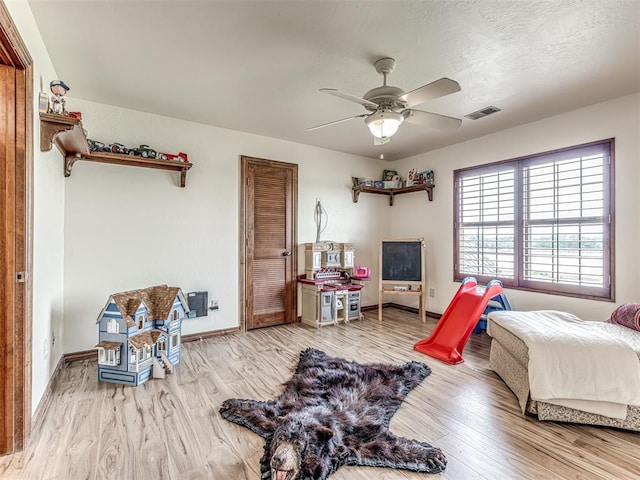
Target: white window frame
[[174, 341], [110, 357], [135, 355], [113, 326]]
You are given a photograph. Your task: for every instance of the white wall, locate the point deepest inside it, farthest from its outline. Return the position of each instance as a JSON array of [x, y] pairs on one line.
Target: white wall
[[48, 212], [619, 118], [128, 228]]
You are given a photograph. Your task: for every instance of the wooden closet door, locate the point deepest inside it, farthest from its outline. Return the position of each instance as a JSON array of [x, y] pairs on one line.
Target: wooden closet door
[[7, 255], [270, 198], [16, 226]]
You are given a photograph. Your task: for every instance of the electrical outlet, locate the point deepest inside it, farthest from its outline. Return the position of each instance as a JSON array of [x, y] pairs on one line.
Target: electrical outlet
[[53, 339], [432, 292], [215, 305]]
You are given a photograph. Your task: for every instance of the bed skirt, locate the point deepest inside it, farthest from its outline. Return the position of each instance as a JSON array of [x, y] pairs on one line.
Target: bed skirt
[[509, 359]]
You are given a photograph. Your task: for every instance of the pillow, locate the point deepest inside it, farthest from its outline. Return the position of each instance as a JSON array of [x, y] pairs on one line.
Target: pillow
[[627, 315]]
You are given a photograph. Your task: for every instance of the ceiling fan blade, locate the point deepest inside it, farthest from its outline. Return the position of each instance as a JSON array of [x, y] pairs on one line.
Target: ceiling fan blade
[[348, 96], [433, 120], [439, 88], [336, 121]]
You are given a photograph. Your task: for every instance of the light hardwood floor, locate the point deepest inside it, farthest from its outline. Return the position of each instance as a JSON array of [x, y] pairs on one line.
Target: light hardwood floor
[[171, 429]]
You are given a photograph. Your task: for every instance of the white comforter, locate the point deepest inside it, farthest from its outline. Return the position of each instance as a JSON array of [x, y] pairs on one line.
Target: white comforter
[[575, 363]]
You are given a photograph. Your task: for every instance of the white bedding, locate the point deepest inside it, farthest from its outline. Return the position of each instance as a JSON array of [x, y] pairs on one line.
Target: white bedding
[[575, 363]]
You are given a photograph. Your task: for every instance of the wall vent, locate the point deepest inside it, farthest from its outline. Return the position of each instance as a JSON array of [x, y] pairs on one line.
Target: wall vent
[[482, 112]]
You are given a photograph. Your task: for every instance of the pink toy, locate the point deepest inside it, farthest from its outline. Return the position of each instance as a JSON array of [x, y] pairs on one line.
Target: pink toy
[[458, 321]]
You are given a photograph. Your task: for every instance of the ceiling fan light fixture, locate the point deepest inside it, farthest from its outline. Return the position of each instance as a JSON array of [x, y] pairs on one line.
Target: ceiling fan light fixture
[[384, 124]]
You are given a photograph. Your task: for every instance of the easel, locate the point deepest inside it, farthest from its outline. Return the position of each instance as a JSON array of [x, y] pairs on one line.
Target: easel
[[396, 285]]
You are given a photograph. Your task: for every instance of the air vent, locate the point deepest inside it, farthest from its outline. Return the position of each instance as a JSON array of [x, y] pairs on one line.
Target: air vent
[[482, 113]]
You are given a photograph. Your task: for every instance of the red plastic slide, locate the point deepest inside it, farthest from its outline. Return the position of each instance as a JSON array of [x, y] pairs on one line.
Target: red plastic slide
[[458, 321]]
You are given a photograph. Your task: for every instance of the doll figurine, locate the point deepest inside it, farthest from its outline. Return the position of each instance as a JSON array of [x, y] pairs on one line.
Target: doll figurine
[[59, 90]]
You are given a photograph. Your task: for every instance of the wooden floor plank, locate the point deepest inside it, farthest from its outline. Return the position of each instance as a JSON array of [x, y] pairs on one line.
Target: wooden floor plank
[[171, 429]]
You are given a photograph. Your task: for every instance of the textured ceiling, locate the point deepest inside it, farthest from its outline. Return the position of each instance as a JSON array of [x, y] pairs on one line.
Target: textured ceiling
[[256, 66]]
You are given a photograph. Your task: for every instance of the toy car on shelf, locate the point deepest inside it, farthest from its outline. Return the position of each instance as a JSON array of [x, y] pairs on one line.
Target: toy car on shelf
[[96, 146], [118, 148], [143, 151], [180, 157]]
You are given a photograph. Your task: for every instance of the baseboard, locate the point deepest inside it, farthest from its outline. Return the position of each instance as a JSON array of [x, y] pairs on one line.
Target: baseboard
[[429, 314], [82, 355], [38, 415], [368, 308], [196, 337]]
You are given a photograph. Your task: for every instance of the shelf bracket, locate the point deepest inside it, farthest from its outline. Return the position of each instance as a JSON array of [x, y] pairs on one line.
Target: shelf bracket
[[183, 177], [69, 160], [430, 194], [48, 133], [355, 193]]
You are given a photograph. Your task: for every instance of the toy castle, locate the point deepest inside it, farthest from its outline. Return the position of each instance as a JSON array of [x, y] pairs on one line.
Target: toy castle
[[140, 334]]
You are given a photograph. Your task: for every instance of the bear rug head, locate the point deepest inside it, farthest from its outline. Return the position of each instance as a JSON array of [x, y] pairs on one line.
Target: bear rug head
[[335, 412]]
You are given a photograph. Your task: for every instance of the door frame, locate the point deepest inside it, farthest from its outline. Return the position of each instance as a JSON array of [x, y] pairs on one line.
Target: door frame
[[16, 316], [245, 211]]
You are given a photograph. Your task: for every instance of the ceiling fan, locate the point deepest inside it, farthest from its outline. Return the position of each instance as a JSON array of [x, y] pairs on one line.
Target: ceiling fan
[[389, 106]]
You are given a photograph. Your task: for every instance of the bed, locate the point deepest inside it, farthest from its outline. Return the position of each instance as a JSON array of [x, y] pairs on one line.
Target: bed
[[510, 359]]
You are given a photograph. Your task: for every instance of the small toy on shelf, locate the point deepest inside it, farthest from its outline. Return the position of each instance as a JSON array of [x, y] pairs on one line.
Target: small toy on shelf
[[412, 177], [43, 103], [426, 177], [180, 157], [118, 148], [143, 151], [96, 146], [387, 175], [57, 101]]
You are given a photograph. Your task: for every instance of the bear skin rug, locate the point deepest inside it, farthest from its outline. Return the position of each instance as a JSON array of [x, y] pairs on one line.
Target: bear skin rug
[[335, 412]]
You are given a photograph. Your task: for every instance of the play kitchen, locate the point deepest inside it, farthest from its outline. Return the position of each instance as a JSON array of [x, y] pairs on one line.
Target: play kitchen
[[329, 294]]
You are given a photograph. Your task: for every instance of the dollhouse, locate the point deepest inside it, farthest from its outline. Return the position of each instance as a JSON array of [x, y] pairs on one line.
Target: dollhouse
[[140, 334]]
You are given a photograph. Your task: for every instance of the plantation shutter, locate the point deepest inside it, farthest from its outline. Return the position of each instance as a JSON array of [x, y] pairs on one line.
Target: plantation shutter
[[542, 222], [486, 223], [566, 219]]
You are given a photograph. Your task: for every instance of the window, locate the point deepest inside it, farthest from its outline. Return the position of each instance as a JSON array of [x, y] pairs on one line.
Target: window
[[140, 322], [175, 341], [113, 326], [542, 222], [109, 356]]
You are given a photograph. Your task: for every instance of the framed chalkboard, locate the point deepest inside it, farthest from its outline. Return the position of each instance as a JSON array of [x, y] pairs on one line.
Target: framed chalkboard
[[401, 261]]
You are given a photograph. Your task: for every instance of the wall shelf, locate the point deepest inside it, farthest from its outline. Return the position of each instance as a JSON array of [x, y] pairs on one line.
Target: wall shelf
[[67, 134], [356, 190]]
